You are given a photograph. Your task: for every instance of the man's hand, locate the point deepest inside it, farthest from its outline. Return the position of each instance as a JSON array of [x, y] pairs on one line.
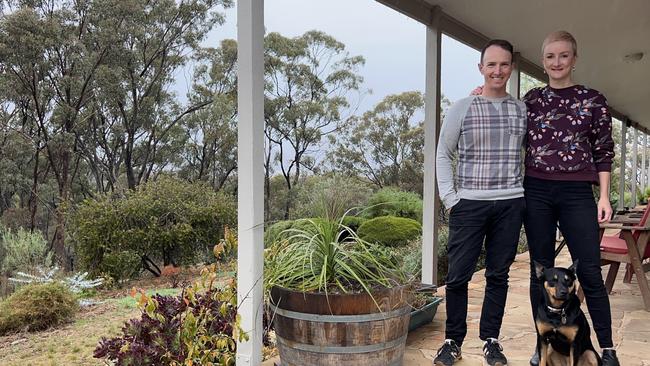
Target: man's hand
[[604, 210], [477, 91]]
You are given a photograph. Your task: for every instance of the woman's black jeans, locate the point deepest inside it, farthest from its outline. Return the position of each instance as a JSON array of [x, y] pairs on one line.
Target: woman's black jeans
[[572, 205]]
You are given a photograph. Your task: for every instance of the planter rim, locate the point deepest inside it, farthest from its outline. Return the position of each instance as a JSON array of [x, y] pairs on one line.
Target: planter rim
[[377, 290], [341, 304], [434, 300]]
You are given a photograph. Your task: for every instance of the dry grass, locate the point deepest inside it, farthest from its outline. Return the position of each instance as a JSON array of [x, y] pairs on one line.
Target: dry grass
[[72, 344]]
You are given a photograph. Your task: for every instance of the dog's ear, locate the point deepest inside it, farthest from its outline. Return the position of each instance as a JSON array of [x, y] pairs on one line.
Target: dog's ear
[[574, 267], [539, 269]]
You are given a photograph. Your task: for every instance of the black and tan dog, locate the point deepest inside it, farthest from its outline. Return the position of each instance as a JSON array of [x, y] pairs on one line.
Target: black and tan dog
[[563, 333]]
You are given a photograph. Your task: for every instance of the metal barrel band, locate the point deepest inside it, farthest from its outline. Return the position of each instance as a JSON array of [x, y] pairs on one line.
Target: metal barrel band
[[323, 318], [343, 349], [393, 363]]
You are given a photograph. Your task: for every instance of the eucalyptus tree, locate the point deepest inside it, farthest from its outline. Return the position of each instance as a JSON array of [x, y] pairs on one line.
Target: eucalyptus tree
[[94, 78], [385, 145], [50, 55], [137, 120], [309, 79], [210, 153]]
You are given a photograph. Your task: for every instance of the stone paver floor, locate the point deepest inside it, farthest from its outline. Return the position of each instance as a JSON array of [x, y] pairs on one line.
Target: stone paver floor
[[631, 323]]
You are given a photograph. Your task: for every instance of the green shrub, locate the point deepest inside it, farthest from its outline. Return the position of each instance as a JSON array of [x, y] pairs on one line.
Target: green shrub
[[393, 202], [522, 246], [353, 222], [274, 232], [22, 250], [330, 196], [120, 266], [411, 255], [308, 224], [167, 220], [284, 230], [627, 200], [390, 230], [37, 307], [279, 230], [640, 195]]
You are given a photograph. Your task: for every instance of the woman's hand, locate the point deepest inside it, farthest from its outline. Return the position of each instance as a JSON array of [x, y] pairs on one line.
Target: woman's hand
[[477, 91], [604, 210]]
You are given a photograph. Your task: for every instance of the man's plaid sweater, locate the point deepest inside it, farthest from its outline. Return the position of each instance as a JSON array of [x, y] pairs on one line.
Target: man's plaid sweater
[[487, 136]]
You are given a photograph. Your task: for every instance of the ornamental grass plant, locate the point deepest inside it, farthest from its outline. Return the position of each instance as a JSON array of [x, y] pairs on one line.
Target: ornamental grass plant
[[327, 256]]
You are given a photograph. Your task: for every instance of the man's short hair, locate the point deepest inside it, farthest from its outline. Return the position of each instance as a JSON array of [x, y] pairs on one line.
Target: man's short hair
[[499, 43]]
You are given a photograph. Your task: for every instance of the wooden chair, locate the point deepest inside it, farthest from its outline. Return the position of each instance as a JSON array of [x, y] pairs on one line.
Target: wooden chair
[[632, 217], [630, 246]]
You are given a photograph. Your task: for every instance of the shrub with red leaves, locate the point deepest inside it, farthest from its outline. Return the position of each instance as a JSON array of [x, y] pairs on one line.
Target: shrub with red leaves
[[155, 338]]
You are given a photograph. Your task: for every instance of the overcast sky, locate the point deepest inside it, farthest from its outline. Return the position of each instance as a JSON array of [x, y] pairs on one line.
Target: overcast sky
[[392, 44]]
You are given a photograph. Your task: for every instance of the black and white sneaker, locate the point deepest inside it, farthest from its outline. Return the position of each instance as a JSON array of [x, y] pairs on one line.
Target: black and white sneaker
[[494, 353], [534, 360], [609, 358], [447, 354]]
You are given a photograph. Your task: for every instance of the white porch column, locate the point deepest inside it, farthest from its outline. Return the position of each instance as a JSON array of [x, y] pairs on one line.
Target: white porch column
[[644, 141], [431, 208], [621, 180], [514, 86], [643, 162], [647, 168], [635, 165], [250, 182]]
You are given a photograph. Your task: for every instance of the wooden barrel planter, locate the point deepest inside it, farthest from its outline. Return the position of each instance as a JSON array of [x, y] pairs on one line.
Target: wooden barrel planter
[[341, 329]]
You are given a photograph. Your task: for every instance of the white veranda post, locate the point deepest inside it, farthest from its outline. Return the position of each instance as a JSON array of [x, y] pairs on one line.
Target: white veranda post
[[635, 164], [621, 180], [644, 148], [431, 207], [250, 173]]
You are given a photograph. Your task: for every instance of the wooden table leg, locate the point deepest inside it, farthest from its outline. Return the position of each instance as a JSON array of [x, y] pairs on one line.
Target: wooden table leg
[[635, 259]]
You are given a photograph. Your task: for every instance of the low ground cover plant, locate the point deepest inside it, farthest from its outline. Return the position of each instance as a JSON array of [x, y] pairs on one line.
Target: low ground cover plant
[[78, 283], [36, 307]]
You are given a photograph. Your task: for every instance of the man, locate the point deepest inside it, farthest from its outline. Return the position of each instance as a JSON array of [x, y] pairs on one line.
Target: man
[[484, 197]]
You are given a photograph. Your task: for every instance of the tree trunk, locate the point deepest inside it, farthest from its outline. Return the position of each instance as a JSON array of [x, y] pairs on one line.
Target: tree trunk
[[267, 183], [128, 162], [150, 265], [287, 201], [33, 204], [58, 244]]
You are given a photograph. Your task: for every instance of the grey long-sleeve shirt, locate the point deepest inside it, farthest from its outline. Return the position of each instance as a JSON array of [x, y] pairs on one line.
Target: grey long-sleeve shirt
[[487, 136]]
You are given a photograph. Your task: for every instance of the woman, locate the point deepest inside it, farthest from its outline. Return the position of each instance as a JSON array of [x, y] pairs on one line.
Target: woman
[[569, 148]]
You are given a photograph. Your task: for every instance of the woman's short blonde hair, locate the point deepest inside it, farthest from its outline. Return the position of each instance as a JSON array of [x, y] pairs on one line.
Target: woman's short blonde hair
[[561, 36]]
